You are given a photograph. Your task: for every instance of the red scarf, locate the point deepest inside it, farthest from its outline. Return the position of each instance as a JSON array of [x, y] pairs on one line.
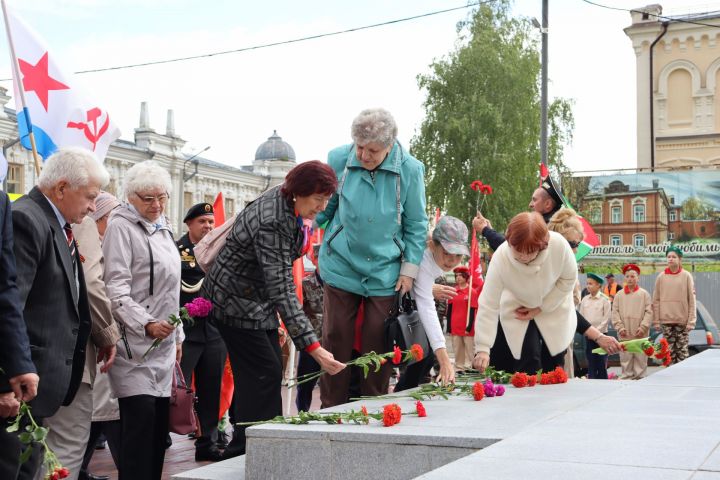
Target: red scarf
[[667, 271], [627, 290]]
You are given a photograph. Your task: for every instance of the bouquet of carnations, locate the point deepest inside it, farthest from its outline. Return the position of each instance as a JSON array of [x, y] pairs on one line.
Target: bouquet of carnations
[[659, 351]]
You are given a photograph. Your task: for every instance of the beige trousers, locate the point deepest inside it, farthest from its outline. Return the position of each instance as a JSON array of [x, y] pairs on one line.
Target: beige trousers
[[634, 365], [69, 432], [464, 348]]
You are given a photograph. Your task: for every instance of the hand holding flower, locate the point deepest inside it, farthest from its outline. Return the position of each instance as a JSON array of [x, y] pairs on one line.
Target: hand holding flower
[[481, 361], [609, 344], [327, 361], [159, 330]]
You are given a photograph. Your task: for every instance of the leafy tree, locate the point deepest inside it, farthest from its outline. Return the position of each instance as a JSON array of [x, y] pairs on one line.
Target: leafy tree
[[695, 208], [482, 118]]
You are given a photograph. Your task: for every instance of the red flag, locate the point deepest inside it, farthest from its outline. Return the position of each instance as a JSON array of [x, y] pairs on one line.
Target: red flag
[[219, 210], [227, 388], [475, 265], [543, 172]]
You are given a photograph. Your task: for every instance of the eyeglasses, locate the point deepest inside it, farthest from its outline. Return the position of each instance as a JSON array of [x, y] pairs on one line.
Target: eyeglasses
[[149, 200], [573, 244]]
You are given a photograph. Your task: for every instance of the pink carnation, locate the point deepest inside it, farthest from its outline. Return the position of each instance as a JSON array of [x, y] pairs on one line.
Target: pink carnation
[[198, 308], [499, 390], [489, 388]]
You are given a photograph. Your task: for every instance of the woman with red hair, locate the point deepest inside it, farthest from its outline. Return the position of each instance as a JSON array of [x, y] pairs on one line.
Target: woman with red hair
[[251, 282], [531, 276]]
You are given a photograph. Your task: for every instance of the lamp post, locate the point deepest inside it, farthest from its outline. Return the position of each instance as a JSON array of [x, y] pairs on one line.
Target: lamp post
[[187, 177], [6, 146], [543, 85]]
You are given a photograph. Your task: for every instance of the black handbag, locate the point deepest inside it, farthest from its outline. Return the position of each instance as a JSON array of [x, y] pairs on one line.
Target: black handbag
[[404, 328]]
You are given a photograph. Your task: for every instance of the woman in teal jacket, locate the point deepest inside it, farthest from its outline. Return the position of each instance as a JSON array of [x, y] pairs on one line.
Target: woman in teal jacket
[[374, 241]]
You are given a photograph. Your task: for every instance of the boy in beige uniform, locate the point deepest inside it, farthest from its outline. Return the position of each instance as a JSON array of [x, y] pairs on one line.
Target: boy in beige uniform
[[631, 317], [596, 308], [674, 304]]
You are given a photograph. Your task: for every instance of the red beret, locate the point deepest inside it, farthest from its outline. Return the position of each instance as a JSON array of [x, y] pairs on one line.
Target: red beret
[[461, 269], [631, 266]]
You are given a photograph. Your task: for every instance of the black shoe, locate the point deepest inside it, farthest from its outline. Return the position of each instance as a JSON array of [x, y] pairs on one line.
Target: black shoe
[[211, 453], [89, 476], [100, 445], [233, 452]]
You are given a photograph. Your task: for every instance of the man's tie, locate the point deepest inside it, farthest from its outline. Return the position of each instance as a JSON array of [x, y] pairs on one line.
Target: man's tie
[[70, 240]]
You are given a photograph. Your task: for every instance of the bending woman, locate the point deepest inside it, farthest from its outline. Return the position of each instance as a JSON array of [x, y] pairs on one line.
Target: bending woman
[[531, 276]]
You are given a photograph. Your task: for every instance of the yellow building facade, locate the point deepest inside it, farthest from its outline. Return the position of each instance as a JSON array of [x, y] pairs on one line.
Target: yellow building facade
[[680, 102]]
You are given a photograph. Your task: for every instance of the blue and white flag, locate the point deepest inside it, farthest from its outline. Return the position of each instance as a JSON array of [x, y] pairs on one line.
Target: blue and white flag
[[60, 115]]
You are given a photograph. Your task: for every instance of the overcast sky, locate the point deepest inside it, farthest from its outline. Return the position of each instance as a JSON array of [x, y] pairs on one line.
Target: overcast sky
[[310, 91]]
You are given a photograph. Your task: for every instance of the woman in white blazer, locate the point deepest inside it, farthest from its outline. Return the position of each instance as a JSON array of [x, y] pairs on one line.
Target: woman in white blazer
[[529, 285]]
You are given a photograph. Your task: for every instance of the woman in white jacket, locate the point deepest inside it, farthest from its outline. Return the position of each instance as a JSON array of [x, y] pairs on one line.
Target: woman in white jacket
[[531, 276], [142, 278]]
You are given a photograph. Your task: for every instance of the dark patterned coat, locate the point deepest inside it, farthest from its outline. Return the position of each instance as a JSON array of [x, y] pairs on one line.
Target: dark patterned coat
[[251, 280]]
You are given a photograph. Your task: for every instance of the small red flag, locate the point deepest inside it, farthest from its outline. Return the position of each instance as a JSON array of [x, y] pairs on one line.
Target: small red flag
[[227, 388], [219, 210], [543, 172]]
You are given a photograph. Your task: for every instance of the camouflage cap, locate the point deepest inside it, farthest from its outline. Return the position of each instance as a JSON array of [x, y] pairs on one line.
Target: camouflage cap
[[452, 234]]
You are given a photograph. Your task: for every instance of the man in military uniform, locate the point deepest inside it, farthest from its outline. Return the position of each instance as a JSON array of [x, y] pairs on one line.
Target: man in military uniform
[[203, 349]]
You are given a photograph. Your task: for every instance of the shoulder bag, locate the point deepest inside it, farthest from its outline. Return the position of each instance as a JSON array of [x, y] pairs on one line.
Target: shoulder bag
[[403, 326], [183, 419]]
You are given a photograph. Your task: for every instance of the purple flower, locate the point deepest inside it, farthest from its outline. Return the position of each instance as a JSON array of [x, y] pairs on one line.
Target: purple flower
[[499, 390], [489, 388], [198, 308]]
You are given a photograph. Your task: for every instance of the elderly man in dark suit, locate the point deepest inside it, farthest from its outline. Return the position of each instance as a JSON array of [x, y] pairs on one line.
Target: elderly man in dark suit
[[51, 280], [18, 380]]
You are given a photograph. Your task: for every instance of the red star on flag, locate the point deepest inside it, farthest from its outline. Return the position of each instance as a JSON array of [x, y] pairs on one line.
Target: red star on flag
[[36, 79]]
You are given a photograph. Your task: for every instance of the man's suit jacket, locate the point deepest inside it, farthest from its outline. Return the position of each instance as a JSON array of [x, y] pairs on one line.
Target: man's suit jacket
[[56, 312], [14, 346]]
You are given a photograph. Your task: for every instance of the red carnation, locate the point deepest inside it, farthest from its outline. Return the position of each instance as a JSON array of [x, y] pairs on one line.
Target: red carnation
[[417, 352], [391, 414], [486, 189], [64, 472], [667, 361], [519, 379], [478, 391], [397, 355], [545, 379], [340, 420], [476, 185], [420, 409], [532, 380], [649, 351], [363, 410], [559, 375]]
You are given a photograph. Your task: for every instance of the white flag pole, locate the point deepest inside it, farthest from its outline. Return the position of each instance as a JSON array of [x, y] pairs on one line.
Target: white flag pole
[[21, 100]]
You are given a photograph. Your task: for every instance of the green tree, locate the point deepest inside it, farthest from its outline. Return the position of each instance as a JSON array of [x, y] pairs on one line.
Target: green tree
[[695, 208], [482, 118]]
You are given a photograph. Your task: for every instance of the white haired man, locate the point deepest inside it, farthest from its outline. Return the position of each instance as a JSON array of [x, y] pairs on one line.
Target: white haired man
[[51, 282]]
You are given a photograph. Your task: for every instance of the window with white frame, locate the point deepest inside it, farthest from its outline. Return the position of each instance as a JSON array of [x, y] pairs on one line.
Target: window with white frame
[[638, 240], [671, 236], [673, 215], [638, 213], [616, 214], [615, 240]]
